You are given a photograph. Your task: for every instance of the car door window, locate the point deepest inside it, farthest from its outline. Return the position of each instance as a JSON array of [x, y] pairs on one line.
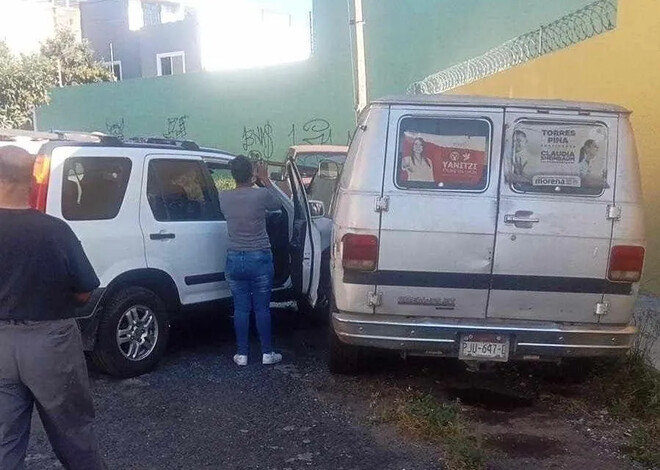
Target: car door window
[[181, 190], [443, 154], [221, 176], [94, 187]]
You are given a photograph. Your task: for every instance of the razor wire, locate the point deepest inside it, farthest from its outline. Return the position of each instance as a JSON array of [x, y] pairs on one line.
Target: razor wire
[[594, 19]]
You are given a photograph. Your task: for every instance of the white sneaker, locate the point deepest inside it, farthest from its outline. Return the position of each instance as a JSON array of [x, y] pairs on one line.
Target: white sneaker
[[271, 358], [240, 360]]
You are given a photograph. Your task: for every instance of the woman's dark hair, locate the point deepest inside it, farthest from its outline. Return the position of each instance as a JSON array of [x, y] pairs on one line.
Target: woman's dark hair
[[583, 150], [241, 169], [15, 165]]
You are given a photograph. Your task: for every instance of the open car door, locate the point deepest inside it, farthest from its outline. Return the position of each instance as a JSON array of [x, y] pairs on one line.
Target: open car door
[[305, 242]]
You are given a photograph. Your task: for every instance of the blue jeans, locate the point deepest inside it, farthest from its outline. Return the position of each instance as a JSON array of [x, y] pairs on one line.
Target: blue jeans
[[250, 276]]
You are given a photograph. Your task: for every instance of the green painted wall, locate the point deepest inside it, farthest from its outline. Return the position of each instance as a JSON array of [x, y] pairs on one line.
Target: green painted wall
[[266, 110], [259, 110], [407, 41]]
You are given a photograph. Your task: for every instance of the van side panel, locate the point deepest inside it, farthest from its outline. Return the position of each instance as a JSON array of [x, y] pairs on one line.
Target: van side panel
[[629, 230], [360, 186]]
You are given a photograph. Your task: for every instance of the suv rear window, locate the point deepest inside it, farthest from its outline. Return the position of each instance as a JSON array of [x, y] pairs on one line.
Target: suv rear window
[[94, 187], [558, 158], [443, 154]]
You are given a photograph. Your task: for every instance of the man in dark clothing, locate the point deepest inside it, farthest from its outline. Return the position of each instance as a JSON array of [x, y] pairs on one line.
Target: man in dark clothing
[[44, 275]]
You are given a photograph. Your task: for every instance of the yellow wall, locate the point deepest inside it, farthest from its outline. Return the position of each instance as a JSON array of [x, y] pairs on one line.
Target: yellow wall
[[621, 67]]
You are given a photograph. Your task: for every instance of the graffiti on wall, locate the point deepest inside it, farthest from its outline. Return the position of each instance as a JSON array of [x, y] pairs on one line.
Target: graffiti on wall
[[176, 127], [258, 141], [317, 131], [115, 127]]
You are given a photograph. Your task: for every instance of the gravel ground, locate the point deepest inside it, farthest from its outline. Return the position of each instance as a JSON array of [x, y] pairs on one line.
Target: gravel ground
[[650, 306], [198, 410]]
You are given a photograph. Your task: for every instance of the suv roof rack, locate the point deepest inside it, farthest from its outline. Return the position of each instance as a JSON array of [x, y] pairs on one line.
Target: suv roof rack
[[77, 136], [183, 144]]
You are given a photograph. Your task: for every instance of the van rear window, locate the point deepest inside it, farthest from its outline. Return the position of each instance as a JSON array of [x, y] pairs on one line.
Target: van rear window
[[93, 187], [443, 154], [558, 158]]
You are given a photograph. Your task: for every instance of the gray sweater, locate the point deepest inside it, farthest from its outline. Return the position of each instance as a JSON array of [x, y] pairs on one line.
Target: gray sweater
[[245, 212]]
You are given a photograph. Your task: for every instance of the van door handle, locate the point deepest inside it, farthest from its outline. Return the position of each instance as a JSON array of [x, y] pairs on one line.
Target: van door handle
[[162, 236], [521, 219], [514, 219]]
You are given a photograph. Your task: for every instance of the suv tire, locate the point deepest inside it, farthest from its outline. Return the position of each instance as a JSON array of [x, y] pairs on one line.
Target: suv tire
[[137, 317]]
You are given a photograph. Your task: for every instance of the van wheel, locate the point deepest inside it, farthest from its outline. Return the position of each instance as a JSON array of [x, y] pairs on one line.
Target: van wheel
[[343, 358], [133, 333]]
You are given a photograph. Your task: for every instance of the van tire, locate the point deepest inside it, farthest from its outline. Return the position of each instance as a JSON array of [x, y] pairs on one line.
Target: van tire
[[344, 359], [107, 354]]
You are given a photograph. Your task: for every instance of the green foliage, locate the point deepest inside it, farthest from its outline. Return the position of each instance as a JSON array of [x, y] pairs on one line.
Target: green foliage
[[444, 424], [25, 80], [223, 182], [24, 84], [76, 60]]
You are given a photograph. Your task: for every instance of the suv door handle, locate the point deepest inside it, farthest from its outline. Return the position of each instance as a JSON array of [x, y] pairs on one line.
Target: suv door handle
[[162, 236]]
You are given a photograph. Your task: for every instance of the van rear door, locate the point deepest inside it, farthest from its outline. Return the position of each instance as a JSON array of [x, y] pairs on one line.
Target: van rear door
[[438, 211], [553, 231]]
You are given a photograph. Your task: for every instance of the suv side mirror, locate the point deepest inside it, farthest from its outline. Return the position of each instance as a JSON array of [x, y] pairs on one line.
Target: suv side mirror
[[328, 170], [316, 208]]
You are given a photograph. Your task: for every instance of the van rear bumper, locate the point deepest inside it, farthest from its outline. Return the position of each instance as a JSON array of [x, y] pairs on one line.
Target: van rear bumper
[[441, 336]]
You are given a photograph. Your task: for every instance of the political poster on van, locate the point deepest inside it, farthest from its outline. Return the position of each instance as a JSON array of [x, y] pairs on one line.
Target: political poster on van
[[445, 160], [558, 155]]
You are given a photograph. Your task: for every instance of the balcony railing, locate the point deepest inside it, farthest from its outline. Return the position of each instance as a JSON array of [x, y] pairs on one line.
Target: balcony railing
[[592, 20]]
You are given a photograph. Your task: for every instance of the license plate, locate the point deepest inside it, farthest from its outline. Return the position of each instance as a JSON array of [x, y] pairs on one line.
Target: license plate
[[484, 346]]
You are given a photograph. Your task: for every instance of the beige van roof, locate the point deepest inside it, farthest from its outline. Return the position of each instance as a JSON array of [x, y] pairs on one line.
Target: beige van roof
[[483, 101]]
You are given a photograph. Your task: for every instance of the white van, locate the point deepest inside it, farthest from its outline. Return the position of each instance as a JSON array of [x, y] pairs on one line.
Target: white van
[[487, 229], [147, 214]]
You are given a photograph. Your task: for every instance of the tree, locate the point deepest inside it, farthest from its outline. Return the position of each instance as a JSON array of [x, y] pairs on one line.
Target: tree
[[24, 84], [26, 80], [74, 59]]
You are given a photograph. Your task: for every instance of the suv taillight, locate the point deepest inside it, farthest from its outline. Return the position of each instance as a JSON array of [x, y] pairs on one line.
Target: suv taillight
[[626, 263], [40, 177], [359, 252]]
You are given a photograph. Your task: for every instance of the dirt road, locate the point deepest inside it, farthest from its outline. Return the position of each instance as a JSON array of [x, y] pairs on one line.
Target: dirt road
[[198, 411]]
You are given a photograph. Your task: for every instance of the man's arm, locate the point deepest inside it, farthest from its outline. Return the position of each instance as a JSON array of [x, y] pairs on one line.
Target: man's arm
[[271, 199]]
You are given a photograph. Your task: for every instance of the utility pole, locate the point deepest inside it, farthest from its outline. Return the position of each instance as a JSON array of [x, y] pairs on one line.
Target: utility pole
[[360, 58], [59, 72]]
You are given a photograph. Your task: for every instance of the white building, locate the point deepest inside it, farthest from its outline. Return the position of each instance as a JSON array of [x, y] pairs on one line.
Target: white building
[[25, 24]]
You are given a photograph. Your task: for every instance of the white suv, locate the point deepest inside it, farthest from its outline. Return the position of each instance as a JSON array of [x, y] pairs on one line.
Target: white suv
[[148, 217]]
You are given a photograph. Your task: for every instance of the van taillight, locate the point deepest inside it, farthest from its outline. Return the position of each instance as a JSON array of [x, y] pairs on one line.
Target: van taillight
[[359, 252], [40, 177], [626, 263]]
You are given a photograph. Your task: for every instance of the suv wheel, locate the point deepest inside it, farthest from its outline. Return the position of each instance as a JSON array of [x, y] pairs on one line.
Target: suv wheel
[[133, 333]]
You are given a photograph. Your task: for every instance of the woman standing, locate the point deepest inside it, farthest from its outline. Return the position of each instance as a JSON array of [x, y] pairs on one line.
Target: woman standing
[[249, 268]]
